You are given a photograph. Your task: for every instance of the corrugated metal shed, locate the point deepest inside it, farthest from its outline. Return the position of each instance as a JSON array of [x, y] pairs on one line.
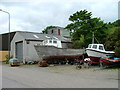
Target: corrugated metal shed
[[4, 40]]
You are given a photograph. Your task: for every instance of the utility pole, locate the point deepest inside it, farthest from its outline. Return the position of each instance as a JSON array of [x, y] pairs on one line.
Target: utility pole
[[9, 44], [93, 38]]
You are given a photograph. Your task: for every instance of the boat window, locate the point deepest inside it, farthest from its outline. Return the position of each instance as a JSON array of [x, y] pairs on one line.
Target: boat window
[[94, 46], [54, 41], [45, 41], [50, 41], [89, 46], [101, 47]]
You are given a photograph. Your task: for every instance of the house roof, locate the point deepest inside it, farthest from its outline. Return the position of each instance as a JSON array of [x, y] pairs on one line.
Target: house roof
[[41, 36]]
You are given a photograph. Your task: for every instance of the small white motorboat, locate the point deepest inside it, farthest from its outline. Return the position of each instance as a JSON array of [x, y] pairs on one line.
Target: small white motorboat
[[96, 51]]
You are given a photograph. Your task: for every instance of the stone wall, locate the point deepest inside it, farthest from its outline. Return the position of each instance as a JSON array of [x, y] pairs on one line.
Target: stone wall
[[54, 51]]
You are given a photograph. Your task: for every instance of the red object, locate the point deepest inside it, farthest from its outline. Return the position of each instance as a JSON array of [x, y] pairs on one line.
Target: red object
[[110, 60], [58, 31], [94, 60], [43, 63]]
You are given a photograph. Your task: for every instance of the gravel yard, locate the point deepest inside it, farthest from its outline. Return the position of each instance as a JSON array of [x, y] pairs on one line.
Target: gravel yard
[[62, 76]]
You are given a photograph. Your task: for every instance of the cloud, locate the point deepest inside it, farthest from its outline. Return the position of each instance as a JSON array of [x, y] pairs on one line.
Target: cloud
[[36, 16]]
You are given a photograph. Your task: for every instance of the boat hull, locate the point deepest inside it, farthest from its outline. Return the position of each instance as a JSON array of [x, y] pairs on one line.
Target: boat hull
[[107, 61], [96, 55], [94, 60]]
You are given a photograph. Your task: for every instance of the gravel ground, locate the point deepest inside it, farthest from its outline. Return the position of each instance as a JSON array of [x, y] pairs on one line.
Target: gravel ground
[[62, 76]]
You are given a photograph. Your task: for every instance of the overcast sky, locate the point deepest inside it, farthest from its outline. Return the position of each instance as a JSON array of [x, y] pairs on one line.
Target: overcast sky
[[36, 15]]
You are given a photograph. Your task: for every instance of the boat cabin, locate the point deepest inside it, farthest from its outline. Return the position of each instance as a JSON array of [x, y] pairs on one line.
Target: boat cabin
[[99, 47], [53, 42]]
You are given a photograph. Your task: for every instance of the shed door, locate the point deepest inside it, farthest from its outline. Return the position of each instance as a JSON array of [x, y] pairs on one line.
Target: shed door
[[19, 50]]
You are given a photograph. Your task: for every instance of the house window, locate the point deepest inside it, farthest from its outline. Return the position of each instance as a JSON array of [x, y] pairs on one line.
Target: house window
[[50, 41], [54, 41], [94, 46], [52, 31]]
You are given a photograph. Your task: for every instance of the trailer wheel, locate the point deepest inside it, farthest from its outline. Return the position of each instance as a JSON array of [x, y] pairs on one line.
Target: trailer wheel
[[78, 67], [89, 63]]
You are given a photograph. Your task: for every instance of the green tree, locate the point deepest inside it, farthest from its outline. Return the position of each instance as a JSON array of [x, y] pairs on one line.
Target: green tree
[[84, 25], [79, 43], [116, 23], [113, 38], [117, 49]]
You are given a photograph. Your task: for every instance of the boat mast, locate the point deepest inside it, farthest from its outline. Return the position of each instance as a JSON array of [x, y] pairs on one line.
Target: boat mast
[[93, 38]]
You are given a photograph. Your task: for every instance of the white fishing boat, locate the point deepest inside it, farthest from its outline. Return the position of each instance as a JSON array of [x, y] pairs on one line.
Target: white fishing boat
[[96, 51]]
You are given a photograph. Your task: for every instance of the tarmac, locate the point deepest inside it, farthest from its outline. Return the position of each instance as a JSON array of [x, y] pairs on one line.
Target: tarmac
[[60, 76]]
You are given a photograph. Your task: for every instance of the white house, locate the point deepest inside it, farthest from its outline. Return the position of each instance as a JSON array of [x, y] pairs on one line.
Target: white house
[[22, 45]]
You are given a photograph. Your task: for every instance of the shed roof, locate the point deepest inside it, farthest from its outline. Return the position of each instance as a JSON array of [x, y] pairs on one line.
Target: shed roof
[[41, 36]]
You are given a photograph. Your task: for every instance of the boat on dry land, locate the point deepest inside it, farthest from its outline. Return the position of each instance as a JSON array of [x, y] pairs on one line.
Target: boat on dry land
[[14, 62], [109, 61], [63, 59], [96, 51]]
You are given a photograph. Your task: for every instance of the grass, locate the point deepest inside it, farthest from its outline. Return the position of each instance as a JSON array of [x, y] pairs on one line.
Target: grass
[[5, 62], [113, 68]]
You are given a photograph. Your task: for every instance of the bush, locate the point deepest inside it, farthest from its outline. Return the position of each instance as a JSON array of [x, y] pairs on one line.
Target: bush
[[78, 44], [117, 51], [7, 58]]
